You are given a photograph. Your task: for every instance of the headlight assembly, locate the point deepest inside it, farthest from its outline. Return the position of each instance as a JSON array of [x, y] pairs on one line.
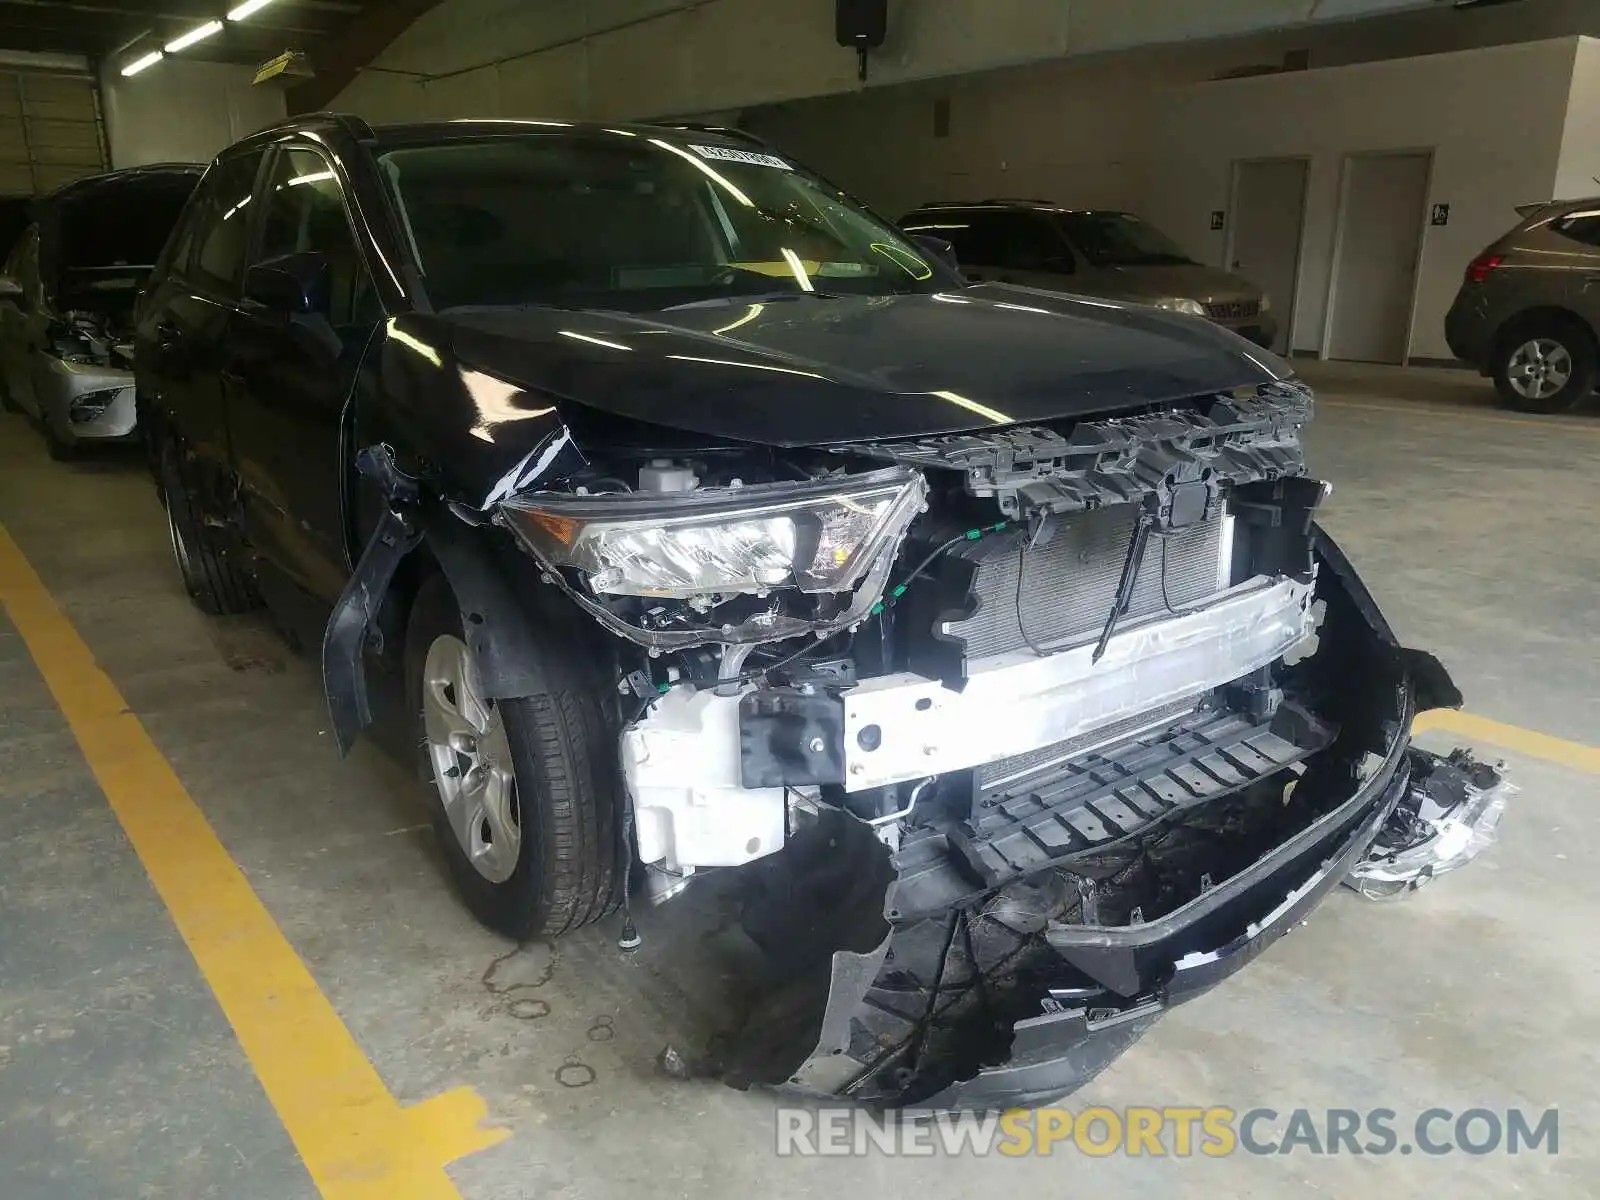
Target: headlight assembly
[[1192, 308], [823, 539]]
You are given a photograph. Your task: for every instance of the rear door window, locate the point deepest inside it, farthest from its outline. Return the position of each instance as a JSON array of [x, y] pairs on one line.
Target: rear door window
[[1020, 241], [222, 230], [969, 232], [1580, 227]]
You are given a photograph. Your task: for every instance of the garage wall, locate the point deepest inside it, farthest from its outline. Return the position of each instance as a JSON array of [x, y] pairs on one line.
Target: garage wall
[[184, 111], [1030, 132], [49, 131], [1580, 141], [1493, 118], [616, 58], [1153, 134]]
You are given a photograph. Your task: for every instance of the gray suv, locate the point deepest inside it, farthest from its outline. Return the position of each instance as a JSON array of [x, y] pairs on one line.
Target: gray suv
[[1092, 252], [1529, 307]]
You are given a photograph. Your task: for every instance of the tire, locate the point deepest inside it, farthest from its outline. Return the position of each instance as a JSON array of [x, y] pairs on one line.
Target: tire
[[558, 869], [216, 585], [1545, 365]]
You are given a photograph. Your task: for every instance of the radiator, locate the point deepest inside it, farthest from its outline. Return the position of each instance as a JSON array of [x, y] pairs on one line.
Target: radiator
[[1068, 585]]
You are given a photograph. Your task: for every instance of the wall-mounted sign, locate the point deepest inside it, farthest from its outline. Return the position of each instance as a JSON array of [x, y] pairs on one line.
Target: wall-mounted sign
[[1219, 219], [1441, 214]]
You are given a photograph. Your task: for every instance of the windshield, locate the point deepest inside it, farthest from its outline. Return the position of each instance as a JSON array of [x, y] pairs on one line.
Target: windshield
[[627, 220], [1113, 239]]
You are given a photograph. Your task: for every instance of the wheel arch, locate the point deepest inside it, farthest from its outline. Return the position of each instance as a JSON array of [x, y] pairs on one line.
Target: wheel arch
[[512, 618], [1541, 316]]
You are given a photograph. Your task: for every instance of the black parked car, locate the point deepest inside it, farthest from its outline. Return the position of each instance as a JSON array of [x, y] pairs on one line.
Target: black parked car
[[706, 521]]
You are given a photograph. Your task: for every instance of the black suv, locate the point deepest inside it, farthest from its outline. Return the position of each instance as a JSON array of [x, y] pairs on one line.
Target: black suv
[[701, 519]]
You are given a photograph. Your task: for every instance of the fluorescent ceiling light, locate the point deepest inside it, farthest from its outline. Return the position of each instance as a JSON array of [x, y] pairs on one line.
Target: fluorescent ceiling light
[[248, 9], [314, 177], [141, 64], [209, 29]]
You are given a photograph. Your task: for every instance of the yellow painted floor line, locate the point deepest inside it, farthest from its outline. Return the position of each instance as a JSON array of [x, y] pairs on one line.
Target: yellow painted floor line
[[1512, 737], [355, 1138]]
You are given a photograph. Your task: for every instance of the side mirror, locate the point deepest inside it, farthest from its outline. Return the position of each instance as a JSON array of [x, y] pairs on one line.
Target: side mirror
[[944, 251], [291, 284], [10, 289]]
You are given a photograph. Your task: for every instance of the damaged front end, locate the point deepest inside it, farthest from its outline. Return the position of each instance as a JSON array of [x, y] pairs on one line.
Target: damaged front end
[[1125, 716], [1017, 738]]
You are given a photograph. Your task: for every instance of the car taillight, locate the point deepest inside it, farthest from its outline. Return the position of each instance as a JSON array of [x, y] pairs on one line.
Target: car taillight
[[1478, 269]]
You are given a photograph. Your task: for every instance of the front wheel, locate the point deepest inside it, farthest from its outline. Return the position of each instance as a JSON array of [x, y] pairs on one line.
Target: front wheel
[[1545, 367], [524, 790]]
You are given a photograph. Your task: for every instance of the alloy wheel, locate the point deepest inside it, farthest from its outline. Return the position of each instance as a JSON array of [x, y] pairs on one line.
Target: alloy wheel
[[471, 760], [1540, 368]]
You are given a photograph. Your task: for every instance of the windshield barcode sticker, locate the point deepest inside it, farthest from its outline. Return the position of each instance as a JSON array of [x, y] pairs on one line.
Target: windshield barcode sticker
[[728, 154]]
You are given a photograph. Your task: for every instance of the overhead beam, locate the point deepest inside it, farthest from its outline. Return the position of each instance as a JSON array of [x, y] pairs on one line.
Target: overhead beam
[[366, 37]]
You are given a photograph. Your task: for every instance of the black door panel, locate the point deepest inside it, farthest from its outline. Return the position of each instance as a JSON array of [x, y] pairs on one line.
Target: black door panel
[[186, 322], [292, 374]]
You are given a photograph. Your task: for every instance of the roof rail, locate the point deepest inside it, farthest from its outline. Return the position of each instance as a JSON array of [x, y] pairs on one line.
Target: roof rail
[[1018, 200], [355, 126], [743, 135], [351, 125]]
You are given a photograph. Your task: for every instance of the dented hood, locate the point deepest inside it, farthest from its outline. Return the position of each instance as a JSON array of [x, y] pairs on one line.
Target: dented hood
[[810, 370]]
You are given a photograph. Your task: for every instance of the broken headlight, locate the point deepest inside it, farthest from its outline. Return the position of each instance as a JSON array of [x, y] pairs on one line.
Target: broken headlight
[[821, 539], [820, 536]]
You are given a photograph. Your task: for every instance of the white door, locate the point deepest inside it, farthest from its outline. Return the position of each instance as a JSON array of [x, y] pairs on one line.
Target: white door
[[1375, 279], [1269, 208]]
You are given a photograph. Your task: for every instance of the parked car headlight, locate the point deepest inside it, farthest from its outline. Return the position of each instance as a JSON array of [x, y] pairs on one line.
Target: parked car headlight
[[1266, 302], [1192, 308], [818, 536]]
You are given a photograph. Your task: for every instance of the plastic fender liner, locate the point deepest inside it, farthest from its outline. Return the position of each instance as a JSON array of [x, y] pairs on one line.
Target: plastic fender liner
[[499, 629], [344, 674], [496, 623]]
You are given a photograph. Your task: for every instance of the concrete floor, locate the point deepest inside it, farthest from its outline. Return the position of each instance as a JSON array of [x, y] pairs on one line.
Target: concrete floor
[[120, 1077]]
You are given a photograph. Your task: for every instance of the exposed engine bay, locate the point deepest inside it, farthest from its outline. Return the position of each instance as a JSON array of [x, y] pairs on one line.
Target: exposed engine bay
[[94, 337]]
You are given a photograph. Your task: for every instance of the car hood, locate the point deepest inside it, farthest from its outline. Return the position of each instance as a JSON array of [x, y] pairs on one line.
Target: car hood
[[1184, 281], [811, 370]]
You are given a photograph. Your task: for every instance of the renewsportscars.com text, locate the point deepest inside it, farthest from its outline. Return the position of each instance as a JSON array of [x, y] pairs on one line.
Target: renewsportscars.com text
[[1170, 1131]]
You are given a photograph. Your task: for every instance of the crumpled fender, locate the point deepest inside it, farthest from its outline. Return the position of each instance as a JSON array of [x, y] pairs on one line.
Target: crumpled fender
[[495, 623]]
